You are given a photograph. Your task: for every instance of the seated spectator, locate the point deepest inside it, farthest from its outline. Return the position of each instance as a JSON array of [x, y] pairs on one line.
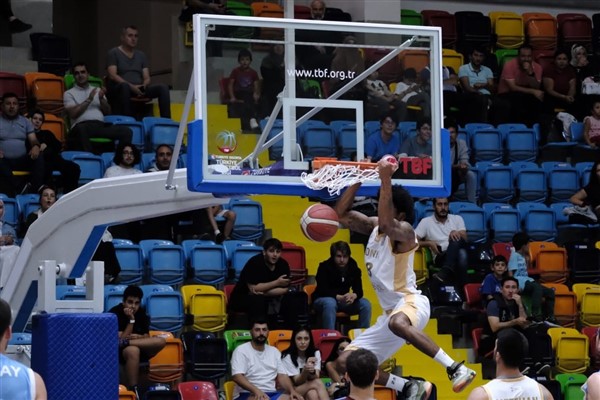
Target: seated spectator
[[453, 99], [244, 91], [384, 101], [591, 126], [339, 288], [461, 168], [205, 224], [331, 367], [559, 81], [589, 195], [520, 84], [419, 145], [386, 141], [362, 366], [263, 281], [50, 148], [272, 70], [16, 134], [446, 236], [86, 107], [302, 363], [505, 310], [162, 158], [47, 200], [129, 77], [542, 297], [584, 68], [135, 343], [8, 233], [410, 92], [125, 159], [348, 62], [256, 367], [492, 283], [317, 56], [477, 83]]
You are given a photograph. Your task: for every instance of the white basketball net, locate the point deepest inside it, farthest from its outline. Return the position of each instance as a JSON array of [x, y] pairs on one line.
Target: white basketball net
[[335, 177]]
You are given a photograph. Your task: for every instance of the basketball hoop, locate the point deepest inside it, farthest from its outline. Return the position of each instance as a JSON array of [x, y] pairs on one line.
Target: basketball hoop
[[335, 175]]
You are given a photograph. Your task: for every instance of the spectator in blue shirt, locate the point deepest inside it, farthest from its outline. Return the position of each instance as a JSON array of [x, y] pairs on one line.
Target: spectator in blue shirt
[[386, 141], [492, 283]]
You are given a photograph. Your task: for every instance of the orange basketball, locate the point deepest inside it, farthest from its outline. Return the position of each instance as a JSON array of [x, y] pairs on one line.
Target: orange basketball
[[319, 222]]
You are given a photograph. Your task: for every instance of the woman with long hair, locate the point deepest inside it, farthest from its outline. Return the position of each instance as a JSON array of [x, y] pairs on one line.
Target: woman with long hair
[[337, 377], [302, 362]]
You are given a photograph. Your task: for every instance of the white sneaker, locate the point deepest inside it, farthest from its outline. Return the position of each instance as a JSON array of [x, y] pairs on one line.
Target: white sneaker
[[460, 376], [416, 389], [253, 123]]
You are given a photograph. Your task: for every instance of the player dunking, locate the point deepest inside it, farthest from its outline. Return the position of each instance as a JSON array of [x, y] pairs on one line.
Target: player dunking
[[389, 261]]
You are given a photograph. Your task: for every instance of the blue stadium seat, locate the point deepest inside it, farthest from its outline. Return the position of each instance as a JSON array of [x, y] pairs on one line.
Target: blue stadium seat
[[92, 167], [346, 141], [456, 207], [521, 145], [70, 292], [475, 222], [503, 221], [373, 126], [107, 158], [28, 203], [563, 180], [151, 288], [20, 338], [584, 170], [189, 244], [148, 244], [506, 129], [498, 184], [531, 185], [249, 223], [118, 118], [486, 145], [318, 142], [166, 264], [423, 209], [475, 126], [276, 150], [310, 124], [113, 295], [208, 264], [131, 262], [138, 137], [116, 241], [165, 309], [11, 210], [407, 129], [240, 257], [231, 245], [159, 131], [538, 221], [337, 125]]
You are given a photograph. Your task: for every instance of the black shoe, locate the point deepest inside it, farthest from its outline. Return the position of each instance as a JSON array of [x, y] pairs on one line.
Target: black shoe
[[220, 238], [18, 26]]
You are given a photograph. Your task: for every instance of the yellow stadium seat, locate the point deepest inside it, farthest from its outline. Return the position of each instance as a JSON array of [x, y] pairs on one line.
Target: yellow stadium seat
[[420, 265], [228, 388], [280, 338], [452, 59], [588, 298], [571, 350], [508, 27], [207, 306]]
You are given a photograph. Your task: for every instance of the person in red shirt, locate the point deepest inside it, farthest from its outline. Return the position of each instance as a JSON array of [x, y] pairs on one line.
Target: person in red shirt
[[244, 91]]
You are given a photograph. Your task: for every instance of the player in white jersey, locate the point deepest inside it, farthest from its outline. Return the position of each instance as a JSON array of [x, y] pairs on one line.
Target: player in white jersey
[[389, 261], [511, 347]]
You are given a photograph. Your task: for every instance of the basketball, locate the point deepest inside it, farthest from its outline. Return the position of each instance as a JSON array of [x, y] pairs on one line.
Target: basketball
[[392, 160], [319, 222]]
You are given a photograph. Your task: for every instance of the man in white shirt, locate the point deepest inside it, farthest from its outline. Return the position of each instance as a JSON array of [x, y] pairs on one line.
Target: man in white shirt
[[256, 367], [86, 106], [446, 236]]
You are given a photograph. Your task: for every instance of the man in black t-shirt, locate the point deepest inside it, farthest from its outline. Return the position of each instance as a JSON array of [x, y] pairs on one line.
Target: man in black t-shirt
[[262, 283], [135, 343]]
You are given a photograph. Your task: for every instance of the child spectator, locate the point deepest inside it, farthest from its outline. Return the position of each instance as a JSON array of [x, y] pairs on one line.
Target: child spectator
[[244, 90], [517, 266], [135, 343], [492, 283], [411, 93], [591, 125]]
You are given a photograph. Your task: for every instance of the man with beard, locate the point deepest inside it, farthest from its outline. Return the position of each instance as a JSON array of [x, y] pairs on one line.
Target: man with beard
[[446, 236], [16, 132], [477, 82], [256, 366]]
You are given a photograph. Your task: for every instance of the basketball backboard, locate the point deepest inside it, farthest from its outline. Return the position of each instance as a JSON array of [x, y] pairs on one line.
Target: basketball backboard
[[227, 156]]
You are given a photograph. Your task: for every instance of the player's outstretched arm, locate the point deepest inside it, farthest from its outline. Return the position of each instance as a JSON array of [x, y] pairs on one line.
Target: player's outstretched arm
[[397, 230], [353, 220]]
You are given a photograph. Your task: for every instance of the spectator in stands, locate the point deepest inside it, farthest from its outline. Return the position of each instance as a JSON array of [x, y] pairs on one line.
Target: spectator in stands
[[446, 236], [453, 99], [205, 223], [520, 84], [591, 126], [331, 367], [211, 7], [7, 231], [162, 158], [362, 371], [272, 70], [591, 387], [386, 141], [262, 283], [135, 343], [542, 297], [384, 101], [477, 83], [127, 156], [47, 200], [257, 366], [510, 350], [410, 92], [86, 107], [17, 380], [348, 63], [419, 145], [15, 25], [129, 77], [559, 81], [302, 363], [339, 288], [244, 91], [589, 195], [504, 310], [492, 283], [16, 134], [50, 148], [317, 56], [461, 168], [584, 68]]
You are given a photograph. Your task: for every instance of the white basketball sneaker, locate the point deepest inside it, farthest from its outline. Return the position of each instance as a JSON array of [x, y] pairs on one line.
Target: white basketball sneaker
[[460, 376]]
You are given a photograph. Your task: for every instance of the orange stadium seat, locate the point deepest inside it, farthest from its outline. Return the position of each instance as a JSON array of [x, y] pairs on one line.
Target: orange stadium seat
[[47, 89], [540, 30]]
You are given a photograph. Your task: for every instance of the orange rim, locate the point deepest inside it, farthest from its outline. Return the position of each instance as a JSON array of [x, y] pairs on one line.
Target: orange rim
[[320, 162]]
